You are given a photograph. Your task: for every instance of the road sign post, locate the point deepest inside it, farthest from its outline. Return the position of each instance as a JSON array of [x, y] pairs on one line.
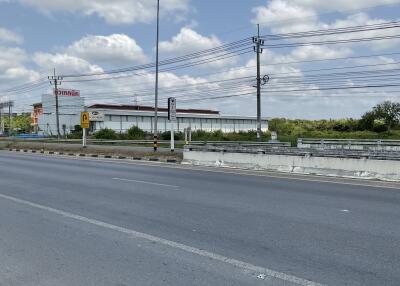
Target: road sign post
[[85, 124], [172, 119], [84, 140]]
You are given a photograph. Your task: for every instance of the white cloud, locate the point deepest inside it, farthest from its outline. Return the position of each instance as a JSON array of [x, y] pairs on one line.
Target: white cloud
[[12, 66], [11, 57], [291, 16], [278, 11], [116, 49], [189, 41], [64, 63], [319, 52], [7, 36], [115, 11], [341, 5], [20, 73], [287, 16], [13, 71]]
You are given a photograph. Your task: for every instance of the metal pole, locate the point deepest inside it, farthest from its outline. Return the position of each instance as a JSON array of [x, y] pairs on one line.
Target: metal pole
[[9, 120], [259, 132], [156, 86], [172, 136], [84, 138], [1, 119]]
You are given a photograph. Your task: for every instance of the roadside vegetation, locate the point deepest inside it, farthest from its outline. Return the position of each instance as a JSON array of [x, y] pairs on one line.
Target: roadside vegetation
[[382, 122], [20, 123]]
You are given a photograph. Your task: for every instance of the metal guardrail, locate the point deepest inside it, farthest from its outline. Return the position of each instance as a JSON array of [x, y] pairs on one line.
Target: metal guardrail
[[92, 141], [240, 143], [293, 151], [150, 142], [375, 142], [350, 144]]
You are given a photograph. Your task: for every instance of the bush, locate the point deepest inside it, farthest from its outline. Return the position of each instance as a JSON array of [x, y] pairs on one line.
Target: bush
[[77, 133], [106, 134], [218, 135], [379, 126], [135, 133], [367, 121], [177, 136]]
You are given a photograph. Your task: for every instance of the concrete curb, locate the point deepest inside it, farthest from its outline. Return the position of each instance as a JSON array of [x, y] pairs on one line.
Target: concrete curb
[[80, 155]]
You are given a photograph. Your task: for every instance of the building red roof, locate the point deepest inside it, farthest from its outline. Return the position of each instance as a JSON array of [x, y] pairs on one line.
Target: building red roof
[[150, 108]]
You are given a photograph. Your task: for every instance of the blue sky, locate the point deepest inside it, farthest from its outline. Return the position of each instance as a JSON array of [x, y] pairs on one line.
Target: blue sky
[[95, 35]]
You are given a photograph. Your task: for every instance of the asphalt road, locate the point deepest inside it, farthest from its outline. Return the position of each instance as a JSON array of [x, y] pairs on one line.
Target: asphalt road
[[84, 222]]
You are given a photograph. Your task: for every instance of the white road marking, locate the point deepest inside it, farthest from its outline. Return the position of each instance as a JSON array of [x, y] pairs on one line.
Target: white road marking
[[145, 182], [246, 267], [345, 211]]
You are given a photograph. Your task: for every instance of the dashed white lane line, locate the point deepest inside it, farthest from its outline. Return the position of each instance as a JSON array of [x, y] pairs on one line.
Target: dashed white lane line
[[145, 182], [247, 267]]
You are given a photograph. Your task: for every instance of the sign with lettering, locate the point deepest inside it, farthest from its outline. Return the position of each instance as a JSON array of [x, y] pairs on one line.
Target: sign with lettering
[[172, 109], [67, 92]]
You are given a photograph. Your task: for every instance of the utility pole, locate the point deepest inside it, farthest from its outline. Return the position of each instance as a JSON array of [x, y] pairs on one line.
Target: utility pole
[[1, 118], [156, 87], [56, 81], [258, 49], [10, 105], [9, 119]]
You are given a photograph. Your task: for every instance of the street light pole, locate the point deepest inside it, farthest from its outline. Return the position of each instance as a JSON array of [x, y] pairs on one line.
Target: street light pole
[[156, 85]]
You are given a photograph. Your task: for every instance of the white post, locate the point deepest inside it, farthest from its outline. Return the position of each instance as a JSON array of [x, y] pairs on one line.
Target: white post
[[84, 137], [172, 136], [186, 135]]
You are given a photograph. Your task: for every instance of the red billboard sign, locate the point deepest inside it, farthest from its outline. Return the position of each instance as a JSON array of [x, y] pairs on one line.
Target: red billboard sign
[[67, 92]]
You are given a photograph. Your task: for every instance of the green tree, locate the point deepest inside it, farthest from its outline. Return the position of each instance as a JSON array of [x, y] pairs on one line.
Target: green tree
[[367, 121], [21, 123], [389, 112]]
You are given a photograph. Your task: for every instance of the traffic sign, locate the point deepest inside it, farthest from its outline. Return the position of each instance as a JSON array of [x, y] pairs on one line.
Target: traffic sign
[[172, 109], [85, 121]]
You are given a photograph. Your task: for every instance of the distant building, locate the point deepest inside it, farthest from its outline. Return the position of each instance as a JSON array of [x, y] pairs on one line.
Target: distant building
[[71, 104], [37, 111], [122, 117]]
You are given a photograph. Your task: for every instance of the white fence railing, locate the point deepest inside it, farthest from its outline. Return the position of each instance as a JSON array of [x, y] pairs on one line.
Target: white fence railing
[[349, 144]]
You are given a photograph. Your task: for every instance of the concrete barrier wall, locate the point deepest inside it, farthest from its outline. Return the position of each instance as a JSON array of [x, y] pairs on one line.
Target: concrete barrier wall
[[329, 166]]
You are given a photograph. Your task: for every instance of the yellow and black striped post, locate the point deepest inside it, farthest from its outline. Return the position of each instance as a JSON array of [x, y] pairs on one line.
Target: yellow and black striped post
[[155, 143]]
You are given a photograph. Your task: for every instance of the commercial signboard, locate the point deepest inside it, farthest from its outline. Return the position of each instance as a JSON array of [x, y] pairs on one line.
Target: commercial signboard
[[172, 109], [96, 116], [67, 92]]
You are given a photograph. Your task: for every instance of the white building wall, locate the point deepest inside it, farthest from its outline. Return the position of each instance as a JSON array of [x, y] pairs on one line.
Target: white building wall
[[70, 108], [121, 121]]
